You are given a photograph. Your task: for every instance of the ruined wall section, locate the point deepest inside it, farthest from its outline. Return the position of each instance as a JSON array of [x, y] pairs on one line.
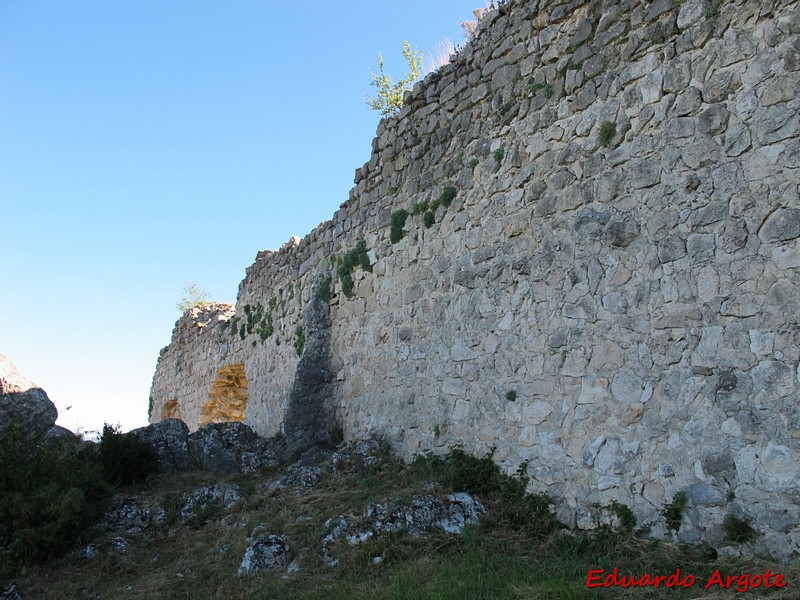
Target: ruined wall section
[[611, 292], [188, 367]]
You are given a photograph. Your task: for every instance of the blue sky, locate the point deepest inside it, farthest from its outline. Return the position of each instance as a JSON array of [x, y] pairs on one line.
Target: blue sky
[[147, 144]]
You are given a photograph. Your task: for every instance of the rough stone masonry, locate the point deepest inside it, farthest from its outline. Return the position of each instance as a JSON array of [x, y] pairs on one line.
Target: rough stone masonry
[[578, 243]]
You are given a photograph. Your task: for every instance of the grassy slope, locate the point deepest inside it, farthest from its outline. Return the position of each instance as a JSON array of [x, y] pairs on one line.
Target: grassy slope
[[507, 556]]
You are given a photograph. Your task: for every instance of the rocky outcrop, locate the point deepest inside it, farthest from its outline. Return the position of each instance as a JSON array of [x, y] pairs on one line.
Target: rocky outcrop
[[426, 512], [25, 407], [226, 448], [170, 439], [223, 448]]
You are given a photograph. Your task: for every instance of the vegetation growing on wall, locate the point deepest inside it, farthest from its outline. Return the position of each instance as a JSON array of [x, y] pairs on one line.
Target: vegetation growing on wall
[[607, 132], [256, 320], [299, 340], [738, 530], [193, 297], [425, 208], [673, 512], [357, 257], [324, 289], [398, 221], [389, 97]]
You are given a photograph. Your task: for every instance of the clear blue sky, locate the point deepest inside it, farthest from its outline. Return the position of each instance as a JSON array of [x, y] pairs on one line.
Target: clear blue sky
[[145, 144]]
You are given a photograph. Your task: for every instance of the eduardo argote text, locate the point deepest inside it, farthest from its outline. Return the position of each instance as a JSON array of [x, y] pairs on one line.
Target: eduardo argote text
[[741, 583]]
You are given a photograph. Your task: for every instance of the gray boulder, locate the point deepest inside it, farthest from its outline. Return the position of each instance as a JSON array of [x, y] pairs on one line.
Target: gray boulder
[[267, 552], [24, 405], [170, 439], [227, 448]]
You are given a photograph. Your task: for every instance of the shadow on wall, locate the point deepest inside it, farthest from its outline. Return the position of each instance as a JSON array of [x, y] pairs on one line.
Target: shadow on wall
[[227, 397]]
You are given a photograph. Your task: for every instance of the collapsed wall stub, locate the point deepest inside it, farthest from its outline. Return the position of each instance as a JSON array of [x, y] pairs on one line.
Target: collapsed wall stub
[[309, 418], [227, 396], [610, 292]]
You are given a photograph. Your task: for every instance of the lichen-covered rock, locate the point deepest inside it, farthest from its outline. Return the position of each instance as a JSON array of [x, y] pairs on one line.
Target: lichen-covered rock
[[357, 456], [210, 498], [130, 516], [301, 476], [427, 511], [267, 552], [463, 509]]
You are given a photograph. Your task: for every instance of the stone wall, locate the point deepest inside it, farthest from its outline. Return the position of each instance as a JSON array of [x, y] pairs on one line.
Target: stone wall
[[598, 273]]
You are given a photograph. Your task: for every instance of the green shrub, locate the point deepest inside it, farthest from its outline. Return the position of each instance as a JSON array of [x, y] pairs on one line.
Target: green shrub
[[737, 530], [49, 497], [345, 278], [445, 198], [627, 520], [299, 340], [389, 98], [428, 219], [607, 132], [514, 508], [536, 87], [420, 207], [473, 162], [673, 512], [398, 221], [256, 320], [324, 290], [499, 154], [357, 257], [265, 327], [125, 458], [511, 395], [193, 297]]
